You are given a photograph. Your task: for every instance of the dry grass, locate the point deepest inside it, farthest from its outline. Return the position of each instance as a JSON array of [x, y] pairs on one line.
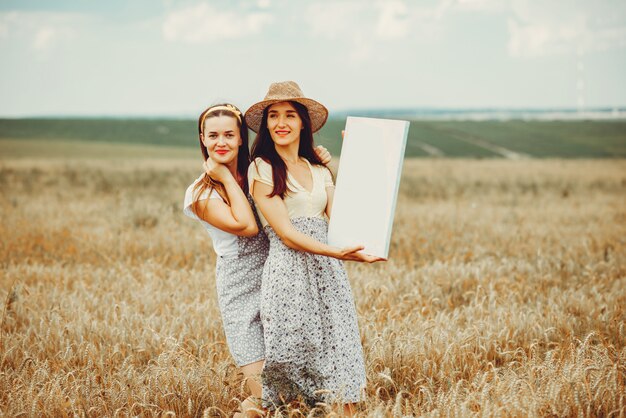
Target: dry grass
[[505, 294]]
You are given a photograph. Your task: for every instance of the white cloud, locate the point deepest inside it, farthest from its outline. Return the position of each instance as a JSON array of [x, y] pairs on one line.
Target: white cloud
[[7, 21], [382, 21], [45, 37], [366, 29], [42, 30], [348, 22], [535, 28], [563, 27], [480, 5], [335, 20], [393, 21], [361, 50], [203, 23]]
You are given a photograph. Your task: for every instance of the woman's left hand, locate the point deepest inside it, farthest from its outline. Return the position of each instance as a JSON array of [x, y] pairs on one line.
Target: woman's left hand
[[216, 170], [355, 254], [323, 154]]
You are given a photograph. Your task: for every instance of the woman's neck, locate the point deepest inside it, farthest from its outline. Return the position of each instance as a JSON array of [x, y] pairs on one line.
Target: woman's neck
[[289, 153]]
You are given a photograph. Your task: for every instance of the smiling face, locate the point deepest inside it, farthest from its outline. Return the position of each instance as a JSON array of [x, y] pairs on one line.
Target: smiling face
[[284, 123], [222, 138]]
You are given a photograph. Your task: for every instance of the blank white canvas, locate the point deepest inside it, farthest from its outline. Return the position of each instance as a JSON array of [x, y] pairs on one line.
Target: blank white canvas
[[367, 184]]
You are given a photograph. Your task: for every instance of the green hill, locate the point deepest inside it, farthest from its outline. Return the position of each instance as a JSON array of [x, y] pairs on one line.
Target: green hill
[[484, 139]]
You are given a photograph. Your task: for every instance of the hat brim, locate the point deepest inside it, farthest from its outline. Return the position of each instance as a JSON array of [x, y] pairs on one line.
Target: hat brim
[[317, 112]]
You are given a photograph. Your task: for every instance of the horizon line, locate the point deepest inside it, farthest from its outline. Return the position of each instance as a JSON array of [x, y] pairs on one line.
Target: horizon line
[[401, 111]]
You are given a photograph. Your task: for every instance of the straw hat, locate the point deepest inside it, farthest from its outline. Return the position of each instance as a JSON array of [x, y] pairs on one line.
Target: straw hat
[[282, 92]]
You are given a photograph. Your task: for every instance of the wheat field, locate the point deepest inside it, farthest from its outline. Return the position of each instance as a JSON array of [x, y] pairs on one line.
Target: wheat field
[[504, 295]]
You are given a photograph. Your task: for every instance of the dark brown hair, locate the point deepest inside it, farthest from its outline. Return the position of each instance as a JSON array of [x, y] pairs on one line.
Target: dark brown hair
[[264, 148], [243, 156]]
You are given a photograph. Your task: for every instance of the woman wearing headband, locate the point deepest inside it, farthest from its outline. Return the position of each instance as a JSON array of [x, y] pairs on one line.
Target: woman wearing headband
[[219, 199], [312, 346]]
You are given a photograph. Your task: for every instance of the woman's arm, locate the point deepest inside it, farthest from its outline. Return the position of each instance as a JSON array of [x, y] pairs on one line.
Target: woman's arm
[[238, 218], [275, 211]]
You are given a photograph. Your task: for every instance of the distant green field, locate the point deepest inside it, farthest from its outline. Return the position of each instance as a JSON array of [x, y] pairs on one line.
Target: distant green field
[[488, 139], [485, 139], [59, 148]]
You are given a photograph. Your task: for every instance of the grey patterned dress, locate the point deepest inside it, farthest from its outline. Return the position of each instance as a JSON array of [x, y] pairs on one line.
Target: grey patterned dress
[[238, 281], [312, 346]]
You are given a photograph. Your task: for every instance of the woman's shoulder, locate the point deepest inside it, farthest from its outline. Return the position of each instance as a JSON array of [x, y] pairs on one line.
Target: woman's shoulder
[[316, 166], [321, 168], [260, 162], [260, 166], [193, 193]]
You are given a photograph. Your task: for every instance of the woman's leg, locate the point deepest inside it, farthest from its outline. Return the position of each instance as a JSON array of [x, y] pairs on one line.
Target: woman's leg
[[252, 374], [349, 409], [250, 405]]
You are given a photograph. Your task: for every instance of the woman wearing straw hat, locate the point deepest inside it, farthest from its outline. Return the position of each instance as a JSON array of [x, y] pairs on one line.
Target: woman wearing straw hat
[[312, 346], [219, 199]]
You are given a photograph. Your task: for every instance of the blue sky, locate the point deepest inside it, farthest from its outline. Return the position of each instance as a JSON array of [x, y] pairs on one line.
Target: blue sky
[[140, 57]]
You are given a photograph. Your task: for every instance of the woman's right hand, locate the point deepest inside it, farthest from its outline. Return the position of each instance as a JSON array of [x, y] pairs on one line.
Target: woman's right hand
[[354, 254], [217, 171]]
